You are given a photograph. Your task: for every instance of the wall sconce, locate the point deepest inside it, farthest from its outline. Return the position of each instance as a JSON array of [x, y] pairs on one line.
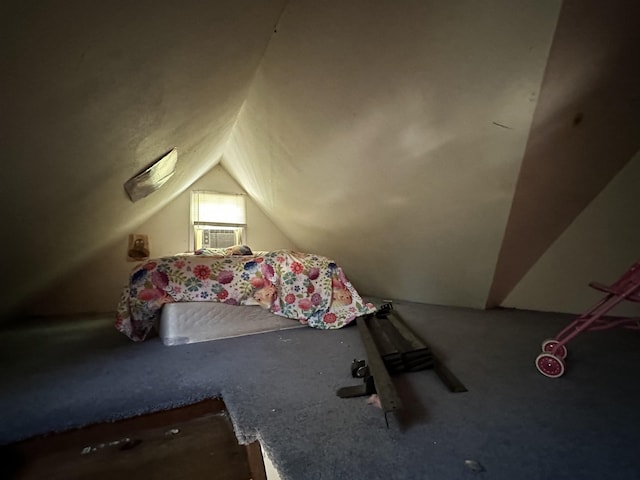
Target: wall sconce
[[153, 177]]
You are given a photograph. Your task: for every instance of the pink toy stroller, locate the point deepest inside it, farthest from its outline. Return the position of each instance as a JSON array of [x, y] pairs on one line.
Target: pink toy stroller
[[551, 362]]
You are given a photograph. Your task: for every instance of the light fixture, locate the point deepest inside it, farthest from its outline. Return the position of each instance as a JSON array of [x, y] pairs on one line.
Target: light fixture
[[153, 177]]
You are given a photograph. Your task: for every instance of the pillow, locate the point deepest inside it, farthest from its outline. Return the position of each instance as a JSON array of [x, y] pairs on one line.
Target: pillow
[[210, 252], [239, 250], [224, 252]]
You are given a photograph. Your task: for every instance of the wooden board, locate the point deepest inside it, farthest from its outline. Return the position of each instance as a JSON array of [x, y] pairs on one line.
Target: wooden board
[[194, 442]]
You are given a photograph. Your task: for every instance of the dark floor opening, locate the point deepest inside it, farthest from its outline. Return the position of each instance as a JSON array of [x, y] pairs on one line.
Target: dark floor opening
[[192, 442]]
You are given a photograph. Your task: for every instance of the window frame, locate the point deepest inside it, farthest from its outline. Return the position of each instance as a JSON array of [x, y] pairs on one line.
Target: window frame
[[197, 225]]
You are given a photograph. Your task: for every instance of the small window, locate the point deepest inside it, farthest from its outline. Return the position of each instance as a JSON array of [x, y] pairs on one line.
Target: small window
[[218, 220]]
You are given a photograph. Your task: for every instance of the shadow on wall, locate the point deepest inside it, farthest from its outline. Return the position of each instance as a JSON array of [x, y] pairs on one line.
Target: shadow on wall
[[586, 129]]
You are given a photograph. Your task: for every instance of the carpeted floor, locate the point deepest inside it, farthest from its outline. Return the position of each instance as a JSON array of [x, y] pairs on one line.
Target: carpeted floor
[[279, 387]]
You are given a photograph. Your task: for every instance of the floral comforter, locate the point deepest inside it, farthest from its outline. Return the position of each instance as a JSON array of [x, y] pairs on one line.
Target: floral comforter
[[309, 288]]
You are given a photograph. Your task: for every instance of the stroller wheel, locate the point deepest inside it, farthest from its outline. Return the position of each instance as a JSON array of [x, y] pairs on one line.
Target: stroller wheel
[[549, 344], [550, 365]]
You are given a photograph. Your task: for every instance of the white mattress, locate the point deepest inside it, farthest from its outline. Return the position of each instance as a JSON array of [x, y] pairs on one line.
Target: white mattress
[[191, 322]]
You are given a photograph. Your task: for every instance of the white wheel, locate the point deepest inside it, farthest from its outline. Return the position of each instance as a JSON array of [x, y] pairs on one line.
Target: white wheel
[[550, 365], [550, 343]]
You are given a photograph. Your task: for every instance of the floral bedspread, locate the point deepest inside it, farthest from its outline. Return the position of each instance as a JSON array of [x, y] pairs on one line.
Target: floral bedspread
[[309, 288]]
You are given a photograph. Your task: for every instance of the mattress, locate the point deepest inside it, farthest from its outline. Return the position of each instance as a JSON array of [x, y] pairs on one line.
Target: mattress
[[191, 322]]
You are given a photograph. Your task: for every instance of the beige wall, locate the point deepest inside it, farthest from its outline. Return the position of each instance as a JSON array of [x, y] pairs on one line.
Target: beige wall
[[585, 129], [599, 246], [96, 285], [92, 93], [389, 135]]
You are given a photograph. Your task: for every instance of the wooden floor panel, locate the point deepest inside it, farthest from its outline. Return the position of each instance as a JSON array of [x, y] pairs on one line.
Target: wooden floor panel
[[194, 442]]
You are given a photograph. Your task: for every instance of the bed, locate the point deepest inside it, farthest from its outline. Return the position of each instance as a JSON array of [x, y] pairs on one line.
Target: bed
[[311, 289]]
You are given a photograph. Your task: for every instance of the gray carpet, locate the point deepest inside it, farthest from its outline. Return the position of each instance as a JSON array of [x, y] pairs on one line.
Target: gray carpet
[[280, 388]]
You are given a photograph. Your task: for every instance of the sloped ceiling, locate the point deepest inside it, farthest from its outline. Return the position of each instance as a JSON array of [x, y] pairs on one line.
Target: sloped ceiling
[[93, 92], [585, 129], [389, 135], [588, 252]]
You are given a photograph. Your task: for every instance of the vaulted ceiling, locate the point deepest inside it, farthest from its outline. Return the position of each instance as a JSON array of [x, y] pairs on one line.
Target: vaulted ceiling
[[437, 149]]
